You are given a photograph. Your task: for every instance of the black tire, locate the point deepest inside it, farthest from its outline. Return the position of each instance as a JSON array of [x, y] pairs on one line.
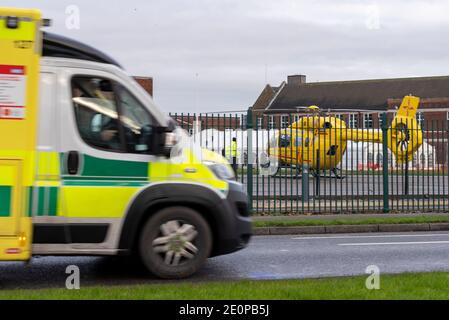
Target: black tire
[[154, 261]]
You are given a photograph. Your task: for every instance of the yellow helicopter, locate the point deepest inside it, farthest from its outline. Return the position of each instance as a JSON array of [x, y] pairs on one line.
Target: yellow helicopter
[[320, 141]]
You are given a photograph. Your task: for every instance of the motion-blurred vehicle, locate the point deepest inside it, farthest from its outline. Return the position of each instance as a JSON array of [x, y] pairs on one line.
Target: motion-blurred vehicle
[[90, 166]]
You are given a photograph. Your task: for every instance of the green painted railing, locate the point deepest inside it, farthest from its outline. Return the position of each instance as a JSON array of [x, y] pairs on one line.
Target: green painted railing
[[367, 179]]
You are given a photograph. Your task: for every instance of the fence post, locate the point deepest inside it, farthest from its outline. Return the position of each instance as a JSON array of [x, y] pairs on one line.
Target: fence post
[[249, 167], [318, 174], [386, 206], [305, 182], [447, 159]]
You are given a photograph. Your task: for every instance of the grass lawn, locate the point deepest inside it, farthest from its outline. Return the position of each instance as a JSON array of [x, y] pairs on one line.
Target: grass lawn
[[349, 221], [405, 286]]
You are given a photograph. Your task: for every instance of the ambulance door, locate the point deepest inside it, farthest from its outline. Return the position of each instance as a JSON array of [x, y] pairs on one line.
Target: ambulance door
[[101, 168], [20, 42]]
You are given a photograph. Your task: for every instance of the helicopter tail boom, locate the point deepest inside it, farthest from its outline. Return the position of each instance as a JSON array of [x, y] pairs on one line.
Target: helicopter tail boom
[[362, 135]]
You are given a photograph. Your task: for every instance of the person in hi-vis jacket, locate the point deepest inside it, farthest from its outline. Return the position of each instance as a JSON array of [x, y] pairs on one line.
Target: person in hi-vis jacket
[[234, 154]]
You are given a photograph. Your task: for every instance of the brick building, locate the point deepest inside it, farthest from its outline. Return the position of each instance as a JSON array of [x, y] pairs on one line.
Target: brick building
[[359, 103], [146, 83], [206, 121], [353, 99]]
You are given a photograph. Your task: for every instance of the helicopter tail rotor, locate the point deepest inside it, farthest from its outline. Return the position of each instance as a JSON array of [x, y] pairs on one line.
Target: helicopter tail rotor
[[405, 135]]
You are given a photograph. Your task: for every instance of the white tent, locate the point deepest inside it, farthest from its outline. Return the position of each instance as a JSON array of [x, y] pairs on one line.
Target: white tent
[[370, 155], [358, 154]]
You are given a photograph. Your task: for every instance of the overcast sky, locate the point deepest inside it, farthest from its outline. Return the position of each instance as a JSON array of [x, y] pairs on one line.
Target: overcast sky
[[218, 55]]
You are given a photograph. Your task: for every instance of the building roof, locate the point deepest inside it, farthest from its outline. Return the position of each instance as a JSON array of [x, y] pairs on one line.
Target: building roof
[[364, 94], [265, 97]]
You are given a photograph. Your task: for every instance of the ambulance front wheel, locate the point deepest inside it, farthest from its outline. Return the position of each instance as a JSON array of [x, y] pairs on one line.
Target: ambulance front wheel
[[175, 242]]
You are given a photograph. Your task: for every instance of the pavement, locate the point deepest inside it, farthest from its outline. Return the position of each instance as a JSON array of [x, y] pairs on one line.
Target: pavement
[[266, 257]]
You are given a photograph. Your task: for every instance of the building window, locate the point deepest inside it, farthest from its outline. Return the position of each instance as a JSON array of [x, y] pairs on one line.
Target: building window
[[284, 121], [420, 118], [367, 120], [352, 121], [380, 116], [295, 118], [271, 122], [259, 123], [243, 121]]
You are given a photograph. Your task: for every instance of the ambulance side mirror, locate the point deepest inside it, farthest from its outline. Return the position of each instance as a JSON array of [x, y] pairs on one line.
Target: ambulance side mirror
[[162, 141]]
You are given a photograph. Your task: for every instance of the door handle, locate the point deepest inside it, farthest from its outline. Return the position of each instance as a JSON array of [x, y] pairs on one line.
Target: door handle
[[73, 162]]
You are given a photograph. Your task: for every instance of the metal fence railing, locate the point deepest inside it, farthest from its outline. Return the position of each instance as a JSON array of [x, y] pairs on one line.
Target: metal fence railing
[[287, 168]]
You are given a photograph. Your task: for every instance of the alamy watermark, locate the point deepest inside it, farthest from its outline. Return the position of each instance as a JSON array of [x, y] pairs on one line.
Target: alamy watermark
[[73, 18], [372, 282], [73, 281], [372, 21]]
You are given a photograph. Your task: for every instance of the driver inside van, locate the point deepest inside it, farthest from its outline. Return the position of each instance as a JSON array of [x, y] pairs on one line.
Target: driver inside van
[[96, 112], [107, 130]]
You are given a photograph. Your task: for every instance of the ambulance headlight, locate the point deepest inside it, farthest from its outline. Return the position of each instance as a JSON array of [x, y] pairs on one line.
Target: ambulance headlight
[[222, 171], [12, 22]]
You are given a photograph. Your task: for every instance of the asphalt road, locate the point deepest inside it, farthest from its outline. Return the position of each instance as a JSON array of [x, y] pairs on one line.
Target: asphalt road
[[267, 257]]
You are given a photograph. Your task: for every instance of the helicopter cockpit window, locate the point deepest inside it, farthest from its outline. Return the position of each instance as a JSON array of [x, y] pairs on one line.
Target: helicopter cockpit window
[[284, 141], [306, 142], [332, 150]]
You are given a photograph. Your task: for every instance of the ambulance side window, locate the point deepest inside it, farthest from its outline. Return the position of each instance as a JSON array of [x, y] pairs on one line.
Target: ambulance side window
[[136, 121], [96, 112]]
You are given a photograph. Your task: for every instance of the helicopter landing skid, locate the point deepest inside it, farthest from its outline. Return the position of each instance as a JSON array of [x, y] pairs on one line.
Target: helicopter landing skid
[[336, 174]]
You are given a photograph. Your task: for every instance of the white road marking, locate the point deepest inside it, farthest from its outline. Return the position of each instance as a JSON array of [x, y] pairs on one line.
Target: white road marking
[[391, 243], [376, 236]]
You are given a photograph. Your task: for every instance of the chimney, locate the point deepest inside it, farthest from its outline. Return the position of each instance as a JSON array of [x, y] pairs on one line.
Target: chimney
[[296, 80]]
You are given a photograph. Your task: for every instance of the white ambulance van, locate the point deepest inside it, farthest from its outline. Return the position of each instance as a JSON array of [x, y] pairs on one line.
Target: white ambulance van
[[88, 165]]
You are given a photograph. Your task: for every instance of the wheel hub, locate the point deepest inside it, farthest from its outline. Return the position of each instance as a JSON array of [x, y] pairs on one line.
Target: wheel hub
[[175, 242]]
